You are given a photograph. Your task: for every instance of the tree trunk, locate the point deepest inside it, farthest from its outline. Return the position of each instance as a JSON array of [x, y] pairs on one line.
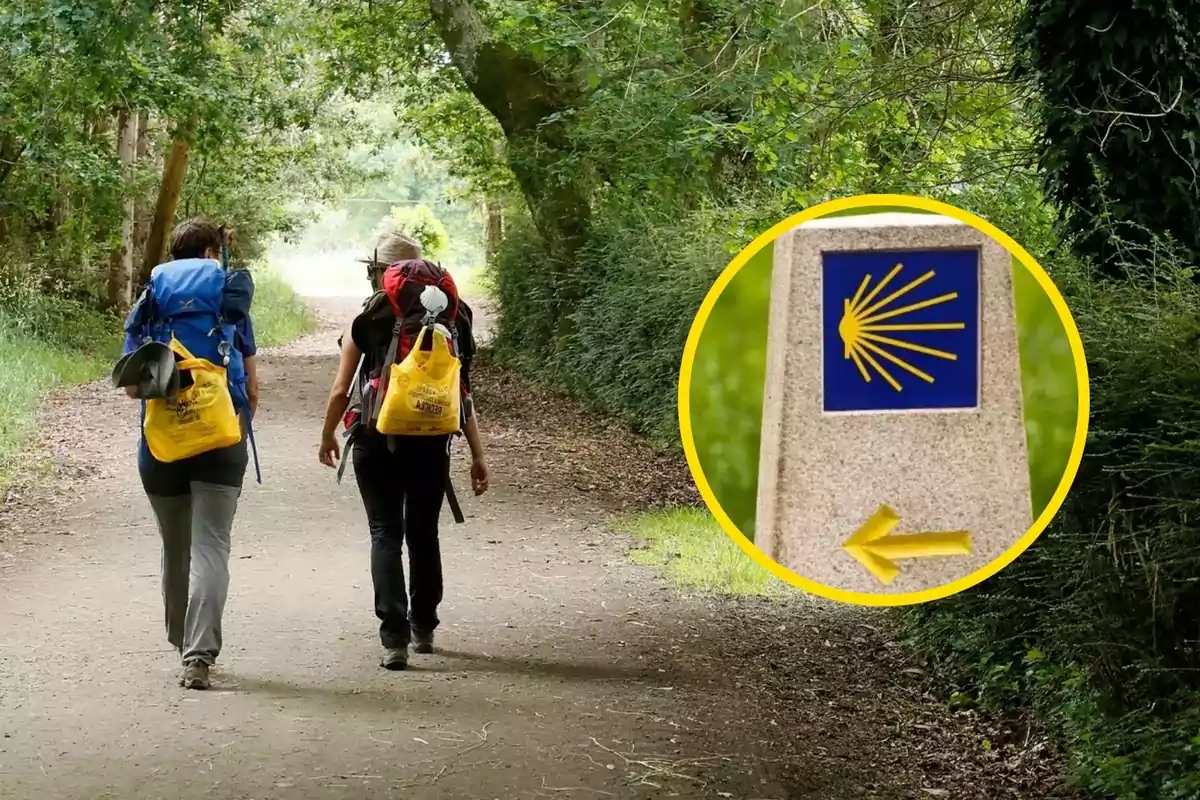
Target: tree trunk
[[526, 100], [530, 103], [10, 151], [712, 38], [890, 148], [174, 171], [99, 126], [120, 266], [493, 229], [141, 213]]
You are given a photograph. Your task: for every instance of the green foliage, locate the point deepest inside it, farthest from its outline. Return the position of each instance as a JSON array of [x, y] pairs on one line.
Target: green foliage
[[279, 314], [642, 281], [421, 224], [451, 126], [728, 374], [44, 342], [386, 171], [1120, 97], [1048, 386], [266, 130], [697, 555]]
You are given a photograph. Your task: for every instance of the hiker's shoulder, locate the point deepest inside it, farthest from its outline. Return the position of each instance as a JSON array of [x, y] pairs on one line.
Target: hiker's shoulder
[[239, 276], [237, 296], [375, 303], [372, 322]]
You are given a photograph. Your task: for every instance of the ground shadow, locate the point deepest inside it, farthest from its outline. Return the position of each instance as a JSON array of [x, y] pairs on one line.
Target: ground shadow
[[451, 662], [476, 662]]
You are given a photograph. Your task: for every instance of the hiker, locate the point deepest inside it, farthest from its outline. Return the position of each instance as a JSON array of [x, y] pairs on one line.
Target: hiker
[[404, 478], [190, 357]]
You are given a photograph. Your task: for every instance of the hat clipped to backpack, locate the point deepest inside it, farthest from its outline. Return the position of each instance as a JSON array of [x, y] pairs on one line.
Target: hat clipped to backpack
[[151, 368]]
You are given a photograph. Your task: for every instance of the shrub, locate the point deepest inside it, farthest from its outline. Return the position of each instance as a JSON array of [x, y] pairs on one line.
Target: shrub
[[423, 225], [640, 281]]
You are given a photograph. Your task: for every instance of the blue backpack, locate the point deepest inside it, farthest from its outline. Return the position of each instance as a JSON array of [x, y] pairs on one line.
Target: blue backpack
[[201, 304]]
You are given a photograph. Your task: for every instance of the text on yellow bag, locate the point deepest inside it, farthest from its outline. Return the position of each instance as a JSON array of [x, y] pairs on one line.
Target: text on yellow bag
[[199, 418], [422, 397]]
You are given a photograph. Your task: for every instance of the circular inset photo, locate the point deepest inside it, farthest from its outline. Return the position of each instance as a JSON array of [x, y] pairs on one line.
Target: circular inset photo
[[884, 400]]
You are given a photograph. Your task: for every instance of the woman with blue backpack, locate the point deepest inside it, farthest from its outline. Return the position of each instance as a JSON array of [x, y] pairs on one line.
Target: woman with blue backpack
[[189, 356]]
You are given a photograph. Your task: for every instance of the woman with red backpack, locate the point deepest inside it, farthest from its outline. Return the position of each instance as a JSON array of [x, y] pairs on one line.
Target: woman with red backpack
[[404, 478]]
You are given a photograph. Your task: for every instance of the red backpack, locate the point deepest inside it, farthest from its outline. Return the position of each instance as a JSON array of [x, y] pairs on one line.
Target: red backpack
[[386, 330], [403, 283]]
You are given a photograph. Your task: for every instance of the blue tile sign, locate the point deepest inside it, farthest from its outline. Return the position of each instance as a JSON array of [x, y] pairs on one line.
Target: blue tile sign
[[900, 330]]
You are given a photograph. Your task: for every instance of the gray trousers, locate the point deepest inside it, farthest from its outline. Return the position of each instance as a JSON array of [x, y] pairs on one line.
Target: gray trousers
[[195, 530]]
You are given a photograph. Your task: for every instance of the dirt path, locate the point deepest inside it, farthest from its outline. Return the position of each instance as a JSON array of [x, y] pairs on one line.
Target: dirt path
[[565, 672]]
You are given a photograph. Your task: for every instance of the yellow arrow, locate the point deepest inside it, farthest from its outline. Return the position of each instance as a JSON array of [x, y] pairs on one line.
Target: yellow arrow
[[874, 548]]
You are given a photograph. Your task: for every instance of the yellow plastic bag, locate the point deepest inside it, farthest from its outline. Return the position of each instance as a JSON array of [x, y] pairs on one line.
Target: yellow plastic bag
[[199, 418], [422, 397]]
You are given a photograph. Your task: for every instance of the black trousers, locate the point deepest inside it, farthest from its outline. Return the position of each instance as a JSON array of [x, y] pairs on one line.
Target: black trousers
[[402, 491]]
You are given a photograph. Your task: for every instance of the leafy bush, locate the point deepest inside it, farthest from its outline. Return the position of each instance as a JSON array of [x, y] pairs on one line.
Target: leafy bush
[[423, 225], [279, 314], [641, 281], [44, 342]]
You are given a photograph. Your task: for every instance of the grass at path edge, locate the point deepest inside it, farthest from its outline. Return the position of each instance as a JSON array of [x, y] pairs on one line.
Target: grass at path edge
[[48, 342], [693, 551]]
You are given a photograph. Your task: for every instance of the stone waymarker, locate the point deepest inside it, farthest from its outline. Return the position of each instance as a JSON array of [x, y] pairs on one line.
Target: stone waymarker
[[893, 451]]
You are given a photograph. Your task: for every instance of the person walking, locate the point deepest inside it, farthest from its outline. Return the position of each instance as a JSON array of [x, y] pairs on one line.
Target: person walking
[[403, 479], [193, 303]]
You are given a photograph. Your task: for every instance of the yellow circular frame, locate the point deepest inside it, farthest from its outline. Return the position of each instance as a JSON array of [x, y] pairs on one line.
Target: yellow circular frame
[[864, 598]]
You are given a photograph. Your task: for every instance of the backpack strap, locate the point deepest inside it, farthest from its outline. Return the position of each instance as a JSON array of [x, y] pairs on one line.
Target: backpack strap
[[351, 436], [226, 347], [452, 501], [446, 284], [451, 497], [385, 373]]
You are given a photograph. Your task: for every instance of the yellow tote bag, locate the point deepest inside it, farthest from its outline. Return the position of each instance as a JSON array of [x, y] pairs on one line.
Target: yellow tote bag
[[422, 396], [199, 418]]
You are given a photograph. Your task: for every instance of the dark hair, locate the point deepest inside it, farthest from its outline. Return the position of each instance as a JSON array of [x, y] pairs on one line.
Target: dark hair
[[192, 237]]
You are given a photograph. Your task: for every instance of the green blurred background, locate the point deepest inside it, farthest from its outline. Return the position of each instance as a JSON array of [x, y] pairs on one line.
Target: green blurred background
[[729, 372]]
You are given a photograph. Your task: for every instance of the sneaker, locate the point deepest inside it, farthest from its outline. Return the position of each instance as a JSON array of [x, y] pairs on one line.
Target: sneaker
[[422, 642], [395, 658], [195, 676]]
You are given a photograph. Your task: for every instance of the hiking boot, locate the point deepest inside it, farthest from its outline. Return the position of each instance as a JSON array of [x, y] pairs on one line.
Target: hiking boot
[[395, 658], [195, 676], [422, 642]]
